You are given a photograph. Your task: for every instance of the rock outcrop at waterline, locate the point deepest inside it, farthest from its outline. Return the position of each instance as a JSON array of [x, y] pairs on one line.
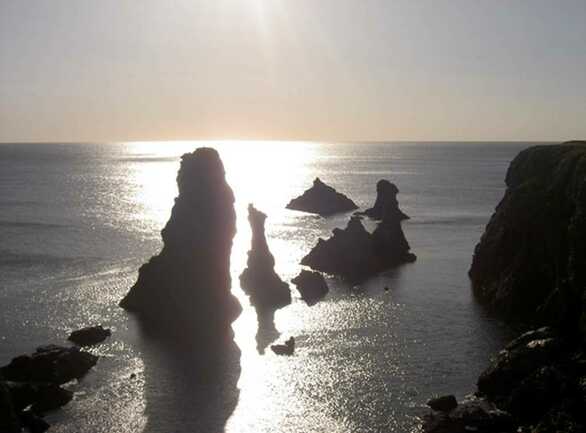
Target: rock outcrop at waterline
[[354, 254], [386, 197], [323, 200], [31, 385], [186, 287], [530, 263], [259, 280]]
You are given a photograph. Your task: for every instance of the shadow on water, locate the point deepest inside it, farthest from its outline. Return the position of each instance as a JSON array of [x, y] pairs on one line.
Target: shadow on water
[[267, 332], [186, 389]]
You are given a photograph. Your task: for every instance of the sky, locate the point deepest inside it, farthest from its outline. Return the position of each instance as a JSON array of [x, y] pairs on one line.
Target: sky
[[328, 70]]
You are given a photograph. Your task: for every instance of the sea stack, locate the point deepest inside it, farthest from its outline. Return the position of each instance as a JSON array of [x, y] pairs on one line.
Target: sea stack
[[386, 199], [356, 254], [323, 200], [186, 287], [530, 263], [259, 280]]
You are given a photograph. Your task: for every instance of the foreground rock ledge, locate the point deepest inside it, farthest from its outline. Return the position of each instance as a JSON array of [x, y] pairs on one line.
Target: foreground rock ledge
[[323, 200], [186, 287], [259, 280]]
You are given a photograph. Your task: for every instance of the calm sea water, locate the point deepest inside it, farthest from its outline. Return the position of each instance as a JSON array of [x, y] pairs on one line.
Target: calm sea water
[[77, 220]]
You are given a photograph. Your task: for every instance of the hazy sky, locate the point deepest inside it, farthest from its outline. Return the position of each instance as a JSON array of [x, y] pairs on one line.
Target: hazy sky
[[292, 69]]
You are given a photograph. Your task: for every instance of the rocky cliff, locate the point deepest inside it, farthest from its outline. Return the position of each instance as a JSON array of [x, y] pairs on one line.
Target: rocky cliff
[[530, 266], [186, 287], [530, 263]]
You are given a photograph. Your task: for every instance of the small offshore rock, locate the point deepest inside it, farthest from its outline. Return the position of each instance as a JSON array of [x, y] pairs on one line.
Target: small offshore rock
[[89, 336], [311, 285], [444, 403], [323, 200]]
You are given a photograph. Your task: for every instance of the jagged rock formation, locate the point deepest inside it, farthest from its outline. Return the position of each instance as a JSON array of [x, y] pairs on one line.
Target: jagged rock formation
[[355, 254], [259, 280], [386, 198], [311, 285], [186, 287], [323, 200], [530, 263]]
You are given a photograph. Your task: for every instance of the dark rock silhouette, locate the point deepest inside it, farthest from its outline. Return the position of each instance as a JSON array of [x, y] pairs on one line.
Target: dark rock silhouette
[[445, 403], [89, 336], [259, 280], [386, 201], [323, 200], [355, 254], [9, 421], [284, 349], [33, 423], [311, 285], [40, 396], [30, 385], [52, 364], [474, 414], [186, 287], [530, 263], [267, 332]]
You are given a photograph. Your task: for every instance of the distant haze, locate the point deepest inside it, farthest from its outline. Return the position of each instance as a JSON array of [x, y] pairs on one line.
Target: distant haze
[[113, 70]]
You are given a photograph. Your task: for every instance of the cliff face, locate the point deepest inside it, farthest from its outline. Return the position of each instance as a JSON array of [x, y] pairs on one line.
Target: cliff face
[[187, 286], [530, 263]]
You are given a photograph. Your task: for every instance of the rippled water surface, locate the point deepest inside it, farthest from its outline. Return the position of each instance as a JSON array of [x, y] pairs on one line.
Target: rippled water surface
[[77, 220]]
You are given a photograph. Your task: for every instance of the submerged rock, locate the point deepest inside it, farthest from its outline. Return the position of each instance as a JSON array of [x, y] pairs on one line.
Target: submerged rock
[[259, 280], [530, 263], [355, 254], [89, 336], [386, 200], [52, 364], [186, 287], [311, 285], [323, 200]]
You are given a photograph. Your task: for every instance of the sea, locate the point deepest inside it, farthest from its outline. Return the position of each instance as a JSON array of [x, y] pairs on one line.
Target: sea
[[78, 220]]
